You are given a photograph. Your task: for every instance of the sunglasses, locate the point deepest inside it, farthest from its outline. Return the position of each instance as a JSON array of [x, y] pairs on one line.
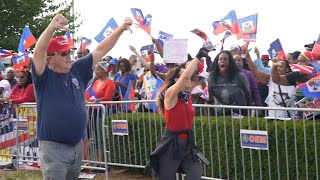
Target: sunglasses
[[63, 54], [22, 77]]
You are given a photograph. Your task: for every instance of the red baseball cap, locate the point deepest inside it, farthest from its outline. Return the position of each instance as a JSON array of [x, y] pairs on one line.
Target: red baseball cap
[[58, 44], [265, 57]]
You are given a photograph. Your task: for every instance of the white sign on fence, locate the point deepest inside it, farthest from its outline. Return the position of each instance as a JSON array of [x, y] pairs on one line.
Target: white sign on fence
[[254, 139]]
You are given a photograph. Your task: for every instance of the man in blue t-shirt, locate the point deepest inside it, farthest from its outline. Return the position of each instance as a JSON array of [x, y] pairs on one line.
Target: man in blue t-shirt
[[60, 86]]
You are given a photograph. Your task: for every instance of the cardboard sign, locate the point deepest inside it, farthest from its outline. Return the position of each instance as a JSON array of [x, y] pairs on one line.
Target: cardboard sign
[[175, 51]]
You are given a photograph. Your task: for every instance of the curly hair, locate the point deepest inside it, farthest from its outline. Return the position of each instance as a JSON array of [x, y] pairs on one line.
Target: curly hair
[[126, 63], [232, 68]]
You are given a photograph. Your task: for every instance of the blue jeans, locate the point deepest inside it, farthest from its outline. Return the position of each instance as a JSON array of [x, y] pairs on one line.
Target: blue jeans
[[60, 161]]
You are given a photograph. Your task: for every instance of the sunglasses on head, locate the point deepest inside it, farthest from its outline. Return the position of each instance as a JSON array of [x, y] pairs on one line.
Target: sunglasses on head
[[63, 54]]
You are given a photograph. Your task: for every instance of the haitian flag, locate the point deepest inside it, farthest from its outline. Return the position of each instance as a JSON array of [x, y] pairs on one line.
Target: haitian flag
[[128, 96], [316, 47], [20, 61], [159, 83], [248, 27], [146, 24], [311, 88], [229, 22], [206, 41], [137, 14], [68, 37], [84, 43], [5, 53], [26, 40], [92, 93], [144, 51], [276, 50], [107, 30]]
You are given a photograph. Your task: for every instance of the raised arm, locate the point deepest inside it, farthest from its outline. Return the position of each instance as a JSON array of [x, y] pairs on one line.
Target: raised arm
[[108, 43], [263, 77], [140, 58], [171, 96], [159, 47], [277, 78], [40, 51]]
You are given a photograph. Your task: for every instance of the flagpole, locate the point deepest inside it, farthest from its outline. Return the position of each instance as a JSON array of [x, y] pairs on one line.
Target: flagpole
[[72, 12]]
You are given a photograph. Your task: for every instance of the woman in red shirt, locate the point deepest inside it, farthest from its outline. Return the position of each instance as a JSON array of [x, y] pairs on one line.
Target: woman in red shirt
[[176, 148], [23, 91], [103, 88]]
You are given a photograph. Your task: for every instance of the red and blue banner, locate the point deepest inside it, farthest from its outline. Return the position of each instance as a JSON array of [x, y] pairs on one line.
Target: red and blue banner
[[248, 27], [128, 96], [5, 53], [229, 22], [137, 14], [85, 42], [26, 40], [276, 50], [68, 37], [311, 88]]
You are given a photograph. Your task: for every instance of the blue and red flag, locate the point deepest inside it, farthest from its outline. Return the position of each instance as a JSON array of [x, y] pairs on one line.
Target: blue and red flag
[[229, 22], [146, 24], [5, 53], [276, 50], [309, 70], [311, 88], [144, 51], [21, 60], [159, 83], [316, 47], [26, 40], [162, 36], [248, 27], [107, 30], [92, 93], [68, 37], [85, 42], [129, 96], [137, 14]]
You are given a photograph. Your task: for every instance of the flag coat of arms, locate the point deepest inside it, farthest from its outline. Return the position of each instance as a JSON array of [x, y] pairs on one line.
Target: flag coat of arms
[[276, 50], [248, 27], [107, 30]]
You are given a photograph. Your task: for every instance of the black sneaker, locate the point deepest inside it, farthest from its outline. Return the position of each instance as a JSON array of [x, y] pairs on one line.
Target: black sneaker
[[10, 167]]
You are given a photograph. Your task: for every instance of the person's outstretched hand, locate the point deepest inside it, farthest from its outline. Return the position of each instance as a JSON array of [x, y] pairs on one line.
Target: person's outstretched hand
[[203, 52]]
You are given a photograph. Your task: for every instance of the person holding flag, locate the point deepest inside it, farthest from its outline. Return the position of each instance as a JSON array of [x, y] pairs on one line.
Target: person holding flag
[[177, 148], [60, 92]]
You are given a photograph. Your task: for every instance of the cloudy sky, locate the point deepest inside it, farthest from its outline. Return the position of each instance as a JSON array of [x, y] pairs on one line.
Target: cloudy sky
[[294, 22]]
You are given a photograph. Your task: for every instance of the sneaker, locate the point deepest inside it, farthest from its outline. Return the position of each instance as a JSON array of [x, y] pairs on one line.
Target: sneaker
[[10, 167]]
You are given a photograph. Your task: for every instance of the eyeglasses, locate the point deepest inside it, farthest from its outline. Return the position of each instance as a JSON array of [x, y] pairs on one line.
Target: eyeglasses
[[63, 54], [21, 77]]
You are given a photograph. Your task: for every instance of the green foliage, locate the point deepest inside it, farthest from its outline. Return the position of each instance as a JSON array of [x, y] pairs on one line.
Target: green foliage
[[36, 14], [222, 136]]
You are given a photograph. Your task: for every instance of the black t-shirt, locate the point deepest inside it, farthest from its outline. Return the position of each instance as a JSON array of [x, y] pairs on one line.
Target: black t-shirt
[[296, 76]]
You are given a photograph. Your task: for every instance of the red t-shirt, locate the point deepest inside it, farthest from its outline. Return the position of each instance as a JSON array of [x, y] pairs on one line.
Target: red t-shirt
[[180, 117], [104, 92], [19, 96]]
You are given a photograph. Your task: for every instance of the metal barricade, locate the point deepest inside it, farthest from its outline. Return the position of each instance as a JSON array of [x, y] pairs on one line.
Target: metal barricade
[[19, 144], [292, 145]]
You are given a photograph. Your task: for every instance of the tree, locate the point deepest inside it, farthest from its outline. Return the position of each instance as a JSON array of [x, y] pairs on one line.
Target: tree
[[36, 14]]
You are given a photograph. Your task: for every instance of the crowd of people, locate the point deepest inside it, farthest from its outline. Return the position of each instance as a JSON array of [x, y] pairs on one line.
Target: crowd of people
[[63, 86]]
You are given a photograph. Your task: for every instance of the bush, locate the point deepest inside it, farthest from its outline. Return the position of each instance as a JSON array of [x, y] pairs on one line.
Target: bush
[[222, 136]]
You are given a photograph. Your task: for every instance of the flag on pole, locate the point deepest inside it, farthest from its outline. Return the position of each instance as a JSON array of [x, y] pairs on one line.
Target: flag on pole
[[26, 40], [107, 30], [276, 50], [84, 43]]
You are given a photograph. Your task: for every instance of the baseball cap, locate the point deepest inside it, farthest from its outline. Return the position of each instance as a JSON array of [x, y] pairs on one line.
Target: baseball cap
[[113, 61], [58, 44], [265, 57]]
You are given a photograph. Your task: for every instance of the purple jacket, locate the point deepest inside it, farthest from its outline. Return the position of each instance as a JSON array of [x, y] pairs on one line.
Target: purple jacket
[[255, 95]]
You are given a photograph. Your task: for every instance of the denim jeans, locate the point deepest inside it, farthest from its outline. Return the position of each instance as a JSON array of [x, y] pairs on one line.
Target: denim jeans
[[60, 161]]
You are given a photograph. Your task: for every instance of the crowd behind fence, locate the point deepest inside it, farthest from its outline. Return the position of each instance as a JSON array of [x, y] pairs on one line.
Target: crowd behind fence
[[290, 152]]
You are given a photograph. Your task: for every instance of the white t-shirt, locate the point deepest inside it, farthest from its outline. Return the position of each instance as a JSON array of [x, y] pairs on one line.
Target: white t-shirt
[[288, 95]]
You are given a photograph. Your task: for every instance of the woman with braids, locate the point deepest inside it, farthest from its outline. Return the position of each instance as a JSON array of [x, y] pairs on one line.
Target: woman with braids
[[176, 149]]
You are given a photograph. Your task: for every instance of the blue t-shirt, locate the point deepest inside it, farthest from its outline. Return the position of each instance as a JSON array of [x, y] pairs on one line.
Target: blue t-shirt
[[61, 105], [125, 80]]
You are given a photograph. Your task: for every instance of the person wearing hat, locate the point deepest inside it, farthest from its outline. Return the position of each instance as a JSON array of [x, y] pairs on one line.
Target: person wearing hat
[[60, 91], [102, 86], [113, 69], [5, 88]]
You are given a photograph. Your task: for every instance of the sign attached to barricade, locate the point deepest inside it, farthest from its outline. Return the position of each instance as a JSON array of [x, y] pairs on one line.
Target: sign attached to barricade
[[120, 127], [254, 139]]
